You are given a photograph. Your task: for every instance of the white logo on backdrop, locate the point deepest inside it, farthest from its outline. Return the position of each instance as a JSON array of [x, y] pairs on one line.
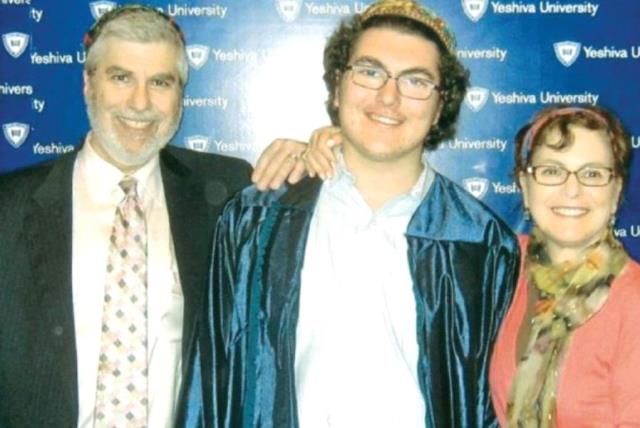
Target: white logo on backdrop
[[477, 186], [476, 98], [15, 43], [15, 133], [288, 9], [567, 52], [197, 55], [475, 9], [99, 8], [199, 143]]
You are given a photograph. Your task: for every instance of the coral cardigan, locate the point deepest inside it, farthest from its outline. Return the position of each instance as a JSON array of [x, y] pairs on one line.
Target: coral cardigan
[[599, 380]]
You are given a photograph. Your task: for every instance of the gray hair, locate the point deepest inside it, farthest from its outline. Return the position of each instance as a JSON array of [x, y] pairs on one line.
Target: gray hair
[[135, 23]]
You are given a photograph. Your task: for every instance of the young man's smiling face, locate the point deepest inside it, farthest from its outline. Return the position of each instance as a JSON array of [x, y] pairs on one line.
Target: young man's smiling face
[[381, 125]]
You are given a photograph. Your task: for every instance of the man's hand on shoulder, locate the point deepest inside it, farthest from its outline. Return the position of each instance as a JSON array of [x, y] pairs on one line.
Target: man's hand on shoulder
[[281, 161], [291, 160]]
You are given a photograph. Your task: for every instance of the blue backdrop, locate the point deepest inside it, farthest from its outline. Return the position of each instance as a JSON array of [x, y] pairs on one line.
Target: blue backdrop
[[256, 74]]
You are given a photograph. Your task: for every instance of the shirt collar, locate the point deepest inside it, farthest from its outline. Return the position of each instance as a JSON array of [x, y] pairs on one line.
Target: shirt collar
[[103, 178], [344, 177]]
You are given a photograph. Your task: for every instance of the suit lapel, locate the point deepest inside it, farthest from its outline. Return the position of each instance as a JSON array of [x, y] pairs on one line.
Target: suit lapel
[[191, 225], [48, 231]]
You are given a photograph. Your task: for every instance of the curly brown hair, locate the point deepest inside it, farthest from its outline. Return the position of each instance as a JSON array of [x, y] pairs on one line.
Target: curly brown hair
[[455, 77], [534, 134]]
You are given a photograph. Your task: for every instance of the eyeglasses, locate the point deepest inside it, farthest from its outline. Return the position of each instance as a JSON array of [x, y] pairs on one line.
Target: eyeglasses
[[414, 85], [555, 175]]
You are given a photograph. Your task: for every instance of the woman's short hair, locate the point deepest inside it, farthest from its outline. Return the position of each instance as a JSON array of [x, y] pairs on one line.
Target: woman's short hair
[[559, 118]]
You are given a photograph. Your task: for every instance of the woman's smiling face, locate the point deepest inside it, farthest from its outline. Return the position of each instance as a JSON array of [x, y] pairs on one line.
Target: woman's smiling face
[[572, 216]]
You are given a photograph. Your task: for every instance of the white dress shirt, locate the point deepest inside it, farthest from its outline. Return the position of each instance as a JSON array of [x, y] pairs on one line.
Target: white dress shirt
[[356, 349], [96, 194]]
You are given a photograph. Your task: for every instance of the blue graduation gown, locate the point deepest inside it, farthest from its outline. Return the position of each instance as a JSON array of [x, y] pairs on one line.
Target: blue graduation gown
[[463, 260]]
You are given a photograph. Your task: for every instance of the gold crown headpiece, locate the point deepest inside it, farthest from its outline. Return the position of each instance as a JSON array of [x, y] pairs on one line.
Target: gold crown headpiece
[[412, 10]]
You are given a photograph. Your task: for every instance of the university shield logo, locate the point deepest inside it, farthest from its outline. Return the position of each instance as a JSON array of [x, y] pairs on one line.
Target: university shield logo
[[477, 186], [15, 43], [199, 143], [197, 55], [99, 8], [476, 98], [288, 9], [567, 52], [15, 133], [475, 9]]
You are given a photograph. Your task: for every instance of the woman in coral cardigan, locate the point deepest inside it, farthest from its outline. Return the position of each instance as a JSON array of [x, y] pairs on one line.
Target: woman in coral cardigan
[[568, 352]]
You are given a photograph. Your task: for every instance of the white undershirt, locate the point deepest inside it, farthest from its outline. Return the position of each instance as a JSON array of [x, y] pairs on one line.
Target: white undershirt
[[95, 196], [356, 349]]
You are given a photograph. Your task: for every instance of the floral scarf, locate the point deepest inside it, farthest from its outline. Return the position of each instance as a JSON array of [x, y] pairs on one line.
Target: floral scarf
[[570, 294]]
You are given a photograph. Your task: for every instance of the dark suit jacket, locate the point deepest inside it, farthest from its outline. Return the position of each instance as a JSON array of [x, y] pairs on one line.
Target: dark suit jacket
[[38, 370]]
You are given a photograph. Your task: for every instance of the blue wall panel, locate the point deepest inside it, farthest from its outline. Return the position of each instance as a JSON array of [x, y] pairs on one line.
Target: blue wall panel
[[256, 74]]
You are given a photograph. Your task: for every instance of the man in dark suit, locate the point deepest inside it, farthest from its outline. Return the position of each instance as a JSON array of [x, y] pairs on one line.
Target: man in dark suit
[[57, 230]]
